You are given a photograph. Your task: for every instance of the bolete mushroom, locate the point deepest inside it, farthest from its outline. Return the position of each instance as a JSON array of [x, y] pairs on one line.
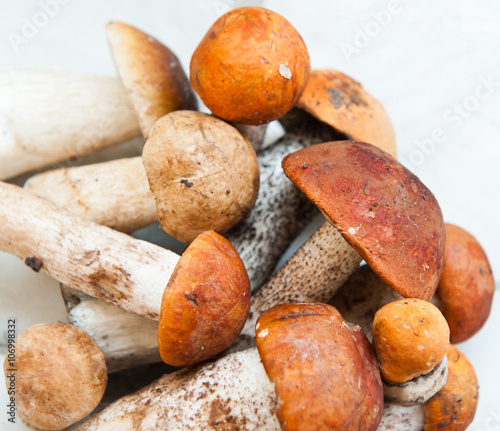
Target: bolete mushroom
[[454, 406], [153, 76], [465, 291], [411, 338], [36, 129], [295, 341], [251, 67], [59, 375], [379, 207], [133, 274], [324, 369]]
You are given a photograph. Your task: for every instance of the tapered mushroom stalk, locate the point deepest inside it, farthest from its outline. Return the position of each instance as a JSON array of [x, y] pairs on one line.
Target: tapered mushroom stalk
[[465, 292], [58, 375], [49, 117], [411, 338], [235, 391], [131, 273]]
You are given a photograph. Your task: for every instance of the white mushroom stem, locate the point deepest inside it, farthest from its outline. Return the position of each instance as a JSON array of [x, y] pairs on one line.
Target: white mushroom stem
[[95, 259], [47, 117], [231, 393], [358, 300]]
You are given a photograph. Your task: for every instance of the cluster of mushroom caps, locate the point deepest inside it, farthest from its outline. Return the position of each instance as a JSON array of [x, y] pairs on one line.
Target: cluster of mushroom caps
[[313, 366]]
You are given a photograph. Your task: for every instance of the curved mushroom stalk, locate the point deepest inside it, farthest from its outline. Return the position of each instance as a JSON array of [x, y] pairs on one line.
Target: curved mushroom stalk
[[49, 117], [203, 285]]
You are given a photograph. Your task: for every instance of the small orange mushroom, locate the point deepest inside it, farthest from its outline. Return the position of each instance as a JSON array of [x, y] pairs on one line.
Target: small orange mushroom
[[251, 67], [465, 291], [454, 406]]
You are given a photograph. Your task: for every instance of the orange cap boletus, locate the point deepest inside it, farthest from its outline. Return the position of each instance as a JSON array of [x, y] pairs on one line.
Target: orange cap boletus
[[152, 75], [251, 67], [341, 102], [454, 406], [58, 374], [465, 291], [379, 207], [205, 304], [411, 338], [324, 369]]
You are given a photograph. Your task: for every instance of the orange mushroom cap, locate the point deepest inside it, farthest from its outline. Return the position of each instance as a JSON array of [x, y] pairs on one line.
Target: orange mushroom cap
[[341, 102], [454, 406], [379, 207], [466, 288], [205, 304], [410, 337], [251, 67], [325, 372]]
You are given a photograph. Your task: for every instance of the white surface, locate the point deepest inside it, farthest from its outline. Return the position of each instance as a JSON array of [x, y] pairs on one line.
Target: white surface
[[427, 57]]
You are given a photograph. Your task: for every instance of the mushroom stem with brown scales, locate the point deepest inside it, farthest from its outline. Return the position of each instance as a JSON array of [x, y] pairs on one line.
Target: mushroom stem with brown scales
[[133, 274], [48, 117]]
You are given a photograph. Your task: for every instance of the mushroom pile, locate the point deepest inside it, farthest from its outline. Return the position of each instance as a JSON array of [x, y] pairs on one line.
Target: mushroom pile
[[321, 343]]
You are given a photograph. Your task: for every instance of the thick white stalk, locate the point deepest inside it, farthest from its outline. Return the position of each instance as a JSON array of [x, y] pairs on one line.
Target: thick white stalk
[[95, 259], [47, 117], [231, 393]]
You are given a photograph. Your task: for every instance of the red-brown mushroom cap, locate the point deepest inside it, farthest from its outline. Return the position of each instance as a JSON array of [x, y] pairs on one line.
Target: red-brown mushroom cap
[[251, 67], [379, 207], [205, 303], [324, 369], [59, 375], [151, 73], [341, 102], [454, 406], [466, 288]]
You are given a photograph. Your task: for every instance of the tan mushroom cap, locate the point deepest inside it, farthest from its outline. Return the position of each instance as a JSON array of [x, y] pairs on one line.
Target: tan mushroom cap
[[466, 288], [60, 375], [341, 102], [454, 406], [324, 369], [203, 173], [152, 74], [251, 67], [205, 304], [410, 337], [379, 207]]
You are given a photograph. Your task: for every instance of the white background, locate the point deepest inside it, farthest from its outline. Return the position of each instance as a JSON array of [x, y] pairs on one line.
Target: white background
[[420, 59]]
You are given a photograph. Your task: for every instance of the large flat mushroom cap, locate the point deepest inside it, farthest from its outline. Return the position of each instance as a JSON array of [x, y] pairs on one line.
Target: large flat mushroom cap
[[205, 304], [324, 369], [152, 74], [341, 102], [379, 207]]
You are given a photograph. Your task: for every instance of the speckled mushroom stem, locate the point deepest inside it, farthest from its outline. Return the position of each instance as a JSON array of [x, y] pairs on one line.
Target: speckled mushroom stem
[[95, 259], [48, 117], [313, 274], [233, 392]]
